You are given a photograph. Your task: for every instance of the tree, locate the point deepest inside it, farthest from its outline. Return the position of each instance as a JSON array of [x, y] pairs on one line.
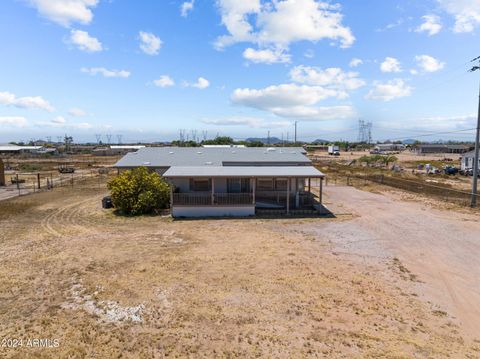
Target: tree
[[139, 191], [220, 140], [388, 159]]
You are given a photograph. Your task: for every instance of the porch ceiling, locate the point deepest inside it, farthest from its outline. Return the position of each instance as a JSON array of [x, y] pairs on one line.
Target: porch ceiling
[[243, 171]]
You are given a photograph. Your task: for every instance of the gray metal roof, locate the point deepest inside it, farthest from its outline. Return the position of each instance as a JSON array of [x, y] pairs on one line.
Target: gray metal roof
[[201, 156], [243, 171]]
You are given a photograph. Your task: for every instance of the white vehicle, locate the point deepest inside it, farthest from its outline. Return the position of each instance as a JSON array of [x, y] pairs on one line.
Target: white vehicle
[[334, 150]]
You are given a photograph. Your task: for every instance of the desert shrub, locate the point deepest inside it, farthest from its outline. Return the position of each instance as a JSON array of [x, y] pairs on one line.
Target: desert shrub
[[139, 191]]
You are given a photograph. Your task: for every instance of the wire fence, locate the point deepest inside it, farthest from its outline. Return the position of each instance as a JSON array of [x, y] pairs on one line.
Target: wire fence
[[438, 191], [19, 184]]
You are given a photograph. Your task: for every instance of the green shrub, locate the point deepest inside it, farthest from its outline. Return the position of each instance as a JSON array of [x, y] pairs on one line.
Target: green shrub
[[139, 191]]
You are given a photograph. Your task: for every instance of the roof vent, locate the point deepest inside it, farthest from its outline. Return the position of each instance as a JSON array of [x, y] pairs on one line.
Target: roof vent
[[209, 163], [271, 149], [199, 152], [146, 163], [171, 152]]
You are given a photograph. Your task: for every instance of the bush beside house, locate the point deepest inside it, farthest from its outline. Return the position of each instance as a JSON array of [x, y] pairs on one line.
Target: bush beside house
[[139, 191]]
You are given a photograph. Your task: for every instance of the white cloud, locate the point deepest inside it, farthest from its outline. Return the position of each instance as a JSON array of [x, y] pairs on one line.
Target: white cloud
[[149, 43], [201, 83], [59, 120], [187, 7], [465, 12], [333, 78], [164, 81], [267, 56], [84, 41], [82, 126], [105, 72], [355, 62], [429, 63], [388, 91], [434, 123], [390, 64], [38, 102], [279, 23], [431, 24], [65, 12], [253, 122], [77, 112], [293, 101], [13, 121]]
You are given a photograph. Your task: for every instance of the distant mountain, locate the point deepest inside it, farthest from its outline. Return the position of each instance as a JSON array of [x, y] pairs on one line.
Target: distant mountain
[[409, 141], [321, 141], [271, 140]]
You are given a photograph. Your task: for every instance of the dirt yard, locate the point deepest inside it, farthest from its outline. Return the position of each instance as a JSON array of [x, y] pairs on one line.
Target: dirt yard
[[374, 282]]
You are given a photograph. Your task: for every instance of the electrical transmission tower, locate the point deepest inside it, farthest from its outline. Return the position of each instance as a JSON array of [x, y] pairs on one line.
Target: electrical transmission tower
[[98, 137], [182, 135], [109, 138], [364, 132], [205, 135], [119, 138]]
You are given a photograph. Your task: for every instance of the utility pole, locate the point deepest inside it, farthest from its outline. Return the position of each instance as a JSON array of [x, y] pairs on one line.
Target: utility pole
[[477, 146]]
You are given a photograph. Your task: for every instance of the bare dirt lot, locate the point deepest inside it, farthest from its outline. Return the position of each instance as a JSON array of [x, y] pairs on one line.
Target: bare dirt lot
[[110, 287]]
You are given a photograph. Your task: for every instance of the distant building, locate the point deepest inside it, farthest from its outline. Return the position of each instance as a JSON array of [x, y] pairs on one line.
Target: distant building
[[468, 159], [116, 150], [388, 147], [18, 149], [441, 148]]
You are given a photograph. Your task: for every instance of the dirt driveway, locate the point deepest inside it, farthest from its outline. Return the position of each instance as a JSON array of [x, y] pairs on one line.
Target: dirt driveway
[[440, 248]]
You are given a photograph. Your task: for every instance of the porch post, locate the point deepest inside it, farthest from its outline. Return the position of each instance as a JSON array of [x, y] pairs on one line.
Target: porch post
[[288, 195], [309, 185], [171, 196], [213, 191], [320, 194], [253, 190]]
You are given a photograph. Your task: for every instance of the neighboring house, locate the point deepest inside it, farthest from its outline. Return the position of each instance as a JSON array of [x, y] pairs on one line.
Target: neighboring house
[[440, 148], [116, 150], [233, 181], [468, 159], [387, 147]]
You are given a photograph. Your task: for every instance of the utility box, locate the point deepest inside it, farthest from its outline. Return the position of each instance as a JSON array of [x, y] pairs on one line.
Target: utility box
[[2, 173]]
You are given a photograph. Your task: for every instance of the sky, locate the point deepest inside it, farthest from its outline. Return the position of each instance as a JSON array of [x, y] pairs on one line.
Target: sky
[[146, 70]]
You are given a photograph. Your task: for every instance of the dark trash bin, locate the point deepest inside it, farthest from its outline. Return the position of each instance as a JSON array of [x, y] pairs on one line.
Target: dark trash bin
[[107, 202]]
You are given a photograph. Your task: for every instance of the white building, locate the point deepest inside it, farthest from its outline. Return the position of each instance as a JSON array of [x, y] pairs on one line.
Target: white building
[[468, 159]]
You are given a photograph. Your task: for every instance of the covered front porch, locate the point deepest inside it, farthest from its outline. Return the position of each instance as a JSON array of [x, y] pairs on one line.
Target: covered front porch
[[244, 191]]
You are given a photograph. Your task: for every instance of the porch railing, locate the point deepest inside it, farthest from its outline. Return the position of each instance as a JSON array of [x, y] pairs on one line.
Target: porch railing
[[219, 199], [226, 199]]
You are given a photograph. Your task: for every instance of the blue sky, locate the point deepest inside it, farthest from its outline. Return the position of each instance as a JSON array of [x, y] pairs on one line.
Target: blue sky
[[146, 69]]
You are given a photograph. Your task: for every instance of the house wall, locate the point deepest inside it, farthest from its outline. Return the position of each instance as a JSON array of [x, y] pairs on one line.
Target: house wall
[[213, 211]]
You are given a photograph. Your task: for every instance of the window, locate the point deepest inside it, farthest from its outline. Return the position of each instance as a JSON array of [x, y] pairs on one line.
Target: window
[[238, 185], [200, 185], [281, 184], [265, 184]]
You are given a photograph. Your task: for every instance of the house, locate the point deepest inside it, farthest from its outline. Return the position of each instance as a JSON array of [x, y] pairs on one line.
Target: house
[[441, 148], [233, 181], [468, 159]]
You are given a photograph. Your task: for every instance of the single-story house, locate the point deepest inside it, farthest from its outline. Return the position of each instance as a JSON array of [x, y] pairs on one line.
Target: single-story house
[[233, 181], [468, 159], [441, 148]]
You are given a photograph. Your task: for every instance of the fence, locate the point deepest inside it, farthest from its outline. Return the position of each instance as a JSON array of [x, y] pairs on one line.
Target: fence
[[19, 184], [440, 192]]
